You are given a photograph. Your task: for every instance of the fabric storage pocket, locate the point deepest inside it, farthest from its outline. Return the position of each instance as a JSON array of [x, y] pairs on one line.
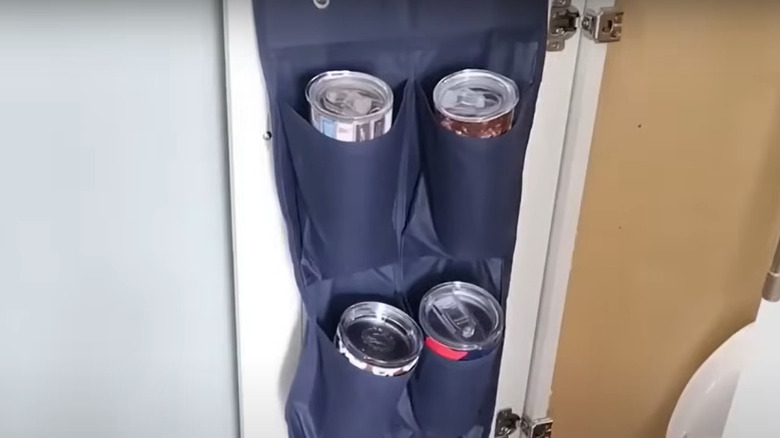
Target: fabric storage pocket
[[474, 185], [355, 403], [447, 395], [348, 191]]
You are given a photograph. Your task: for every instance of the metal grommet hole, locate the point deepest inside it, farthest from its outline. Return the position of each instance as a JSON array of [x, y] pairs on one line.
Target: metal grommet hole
[[321, 4]]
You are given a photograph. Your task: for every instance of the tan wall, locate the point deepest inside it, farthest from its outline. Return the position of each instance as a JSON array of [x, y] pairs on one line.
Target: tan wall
[[680, 215]]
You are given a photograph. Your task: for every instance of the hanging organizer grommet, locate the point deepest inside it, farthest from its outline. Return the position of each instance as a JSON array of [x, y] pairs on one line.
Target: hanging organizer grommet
[[321, 4], [386, 219]]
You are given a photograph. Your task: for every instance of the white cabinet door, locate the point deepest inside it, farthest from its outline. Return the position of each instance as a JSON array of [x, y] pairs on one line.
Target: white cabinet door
[[269, 340]]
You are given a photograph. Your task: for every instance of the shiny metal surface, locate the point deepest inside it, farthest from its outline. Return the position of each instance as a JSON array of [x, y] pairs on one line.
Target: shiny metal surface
[[772, 284]]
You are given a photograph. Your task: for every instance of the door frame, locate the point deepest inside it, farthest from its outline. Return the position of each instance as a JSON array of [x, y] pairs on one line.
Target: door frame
[[541, 176], [268, 342], [268, 328], [591, 58]]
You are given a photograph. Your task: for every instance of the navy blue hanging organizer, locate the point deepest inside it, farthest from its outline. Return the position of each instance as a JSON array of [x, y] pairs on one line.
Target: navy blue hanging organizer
[[388, 219]]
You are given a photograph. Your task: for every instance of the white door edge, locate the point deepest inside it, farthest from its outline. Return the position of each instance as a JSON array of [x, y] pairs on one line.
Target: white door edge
[[574, 166], [268, 315], [540, 185]]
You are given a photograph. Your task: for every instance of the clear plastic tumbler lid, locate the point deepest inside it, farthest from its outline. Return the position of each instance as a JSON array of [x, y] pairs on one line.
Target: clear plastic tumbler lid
[[462, 316], [475, 96], [349, 95], [380, 335]]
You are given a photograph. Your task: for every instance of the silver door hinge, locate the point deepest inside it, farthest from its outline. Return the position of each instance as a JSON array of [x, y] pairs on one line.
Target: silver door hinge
[[507, 423], [563, 24], [541, 428], [602, 26]]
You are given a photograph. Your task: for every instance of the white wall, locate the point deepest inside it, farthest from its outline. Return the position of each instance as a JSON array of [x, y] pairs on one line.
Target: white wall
[[116, 311]]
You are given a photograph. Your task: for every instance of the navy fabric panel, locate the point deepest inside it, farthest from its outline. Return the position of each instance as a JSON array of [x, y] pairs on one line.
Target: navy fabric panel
[[331, 398], [356, 403], [387, 219], [474, 187], [447, 396], [349, 192], [298, 23], [326, 300]]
